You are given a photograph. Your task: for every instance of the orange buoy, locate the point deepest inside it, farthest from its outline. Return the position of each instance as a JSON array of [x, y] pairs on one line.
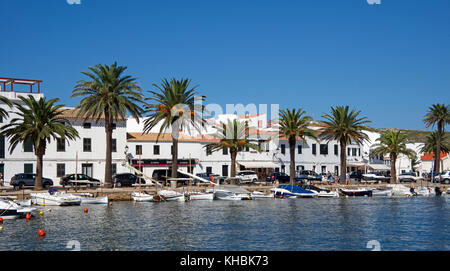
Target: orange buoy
[[41, 233], [281, 197], [134, 202], [1, 220], [110, 203], [85, 210], [28, 216]]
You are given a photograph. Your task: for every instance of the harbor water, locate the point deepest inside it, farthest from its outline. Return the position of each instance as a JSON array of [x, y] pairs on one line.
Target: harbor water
[[418, 223]]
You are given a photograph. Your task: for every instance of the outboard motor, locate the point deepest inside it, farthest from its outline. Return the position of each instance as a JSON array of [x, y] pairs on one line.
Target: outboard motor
[[412, 191], [52, 191]]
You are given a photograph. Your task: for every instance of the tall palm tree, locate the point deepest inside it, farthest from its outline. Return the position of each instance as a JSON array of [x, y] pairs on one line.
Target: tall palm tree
[[234, 136], [394, 144], [431, 144], [3, 112], [345, 126], [439, 115], [108, 95], [294, 125], [38, 121], [174, 106]]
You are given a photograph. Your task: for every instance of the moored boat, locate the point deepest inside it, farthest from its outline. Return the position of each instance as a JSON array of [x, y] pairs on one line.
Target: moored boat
[[200, 196], [261, 195], [382, 192], [88, 198], [55, 198], [142, 197], [293, 191], [11, 210], [359, 192], [322, 192], [231, 192], [399, 190]]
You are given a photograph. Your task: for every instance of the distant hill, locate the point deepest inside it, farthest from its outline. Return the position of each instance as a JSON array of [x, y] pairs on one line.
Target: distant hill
[[416, 136]]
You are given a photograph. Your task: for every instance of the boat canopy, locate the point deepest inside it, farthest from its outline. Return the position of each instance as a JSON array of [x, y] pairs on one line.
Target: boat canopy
[[294, 188]]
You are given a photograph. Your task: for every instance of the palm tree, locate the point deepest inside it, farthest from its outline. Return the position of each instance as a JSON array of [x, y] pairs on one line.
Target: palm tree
[[431, 143], [38, 121], [439, 115], [3, 112], [234, 136], [394, 144], [174, 106], [295, 125], [344, 126], [109, 95]]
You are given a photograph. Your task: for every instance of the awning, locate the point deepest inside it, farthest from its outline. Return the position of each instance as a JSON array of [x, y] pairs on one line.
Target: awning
[[378, 167], [355, 164], [261, 164]]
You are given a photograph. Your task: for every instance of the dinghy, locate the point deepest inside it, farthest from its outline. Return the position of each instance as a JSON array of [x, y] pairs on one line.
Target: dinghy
[[142, 197], [423, 191], [11, 210], [359, 192], [399, 190], [293, 191], [55, 198], [231, 192], [382, 192], [261, 195], [200, 196], [170, 195], [88, 198]]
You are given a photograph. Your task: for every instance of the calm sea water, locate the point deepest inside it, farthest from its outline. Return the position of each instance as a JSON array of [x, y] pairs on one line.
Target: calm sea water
[[420, 223]]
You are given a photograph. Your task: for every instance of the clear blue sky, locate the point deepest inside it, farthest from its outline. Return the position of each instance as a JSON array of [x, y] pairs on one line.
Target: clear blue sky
[[392, 60]]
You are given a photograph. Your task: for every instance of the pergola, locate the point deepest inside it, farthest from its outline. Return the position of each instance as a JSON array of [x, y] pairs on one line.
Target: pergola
[[12, 81]]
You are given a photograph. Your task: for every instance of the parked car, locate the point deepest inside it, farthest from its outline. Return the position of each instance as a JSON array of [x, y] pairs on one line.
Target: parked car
[[444, 178], [247, 176], [126, 179], [409, 177], [356, 175], [281, 177], [204, 175], [160, 176], [308, 175], [19, 181], [69, 179], [375, 177]]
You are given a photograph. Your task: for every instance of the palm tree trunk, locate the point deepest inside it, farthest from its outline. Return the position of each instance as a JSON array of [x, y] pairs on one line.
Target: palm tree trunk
[[343, 161], [174, 173], [437, 155], [393, 169], [233, 154], [108, 163], [292, 142], [39, 152]]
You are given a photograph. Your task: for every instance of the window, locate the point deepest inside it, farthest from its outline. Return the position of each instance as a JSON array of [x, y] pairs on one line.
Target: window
[[323, 148], [299, 168], [2, 147], [336, 149], [113, 169], [336, 169], [87, 146], [299, 149], [87, 169], [138, 149], [28, 145], [156, 149], [60, 145], [225, 151], [324, 169], [208, 169], [359, 152], [283, 148], [348, 151], [314, 149], [225, 170], [60, 170], [87, 125], [247, 149], [353, 151], [28, 168], [283, 168], [114, 126], [114, 145], [2, 169]]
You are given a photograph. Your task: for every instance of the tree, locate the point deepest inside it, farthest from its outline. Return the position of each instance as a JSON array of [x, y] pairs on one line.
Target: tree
[[3, 112], [294, 125], [234, 136], [175, 106], [431, 144], [38, 121], [439, 115], [394, 144], [344, 126], [108, 96]]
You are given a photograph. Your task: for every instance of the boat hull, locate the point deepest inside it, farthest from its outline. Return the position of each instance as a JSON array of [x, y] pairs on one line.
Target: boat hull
[[357, 193], [99, 200], [206, 196], [52, 200]]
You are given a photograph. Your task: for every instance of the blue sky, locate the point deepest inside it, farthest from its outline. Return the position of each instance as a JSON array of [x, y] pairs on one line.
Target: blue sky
[[391, 61]]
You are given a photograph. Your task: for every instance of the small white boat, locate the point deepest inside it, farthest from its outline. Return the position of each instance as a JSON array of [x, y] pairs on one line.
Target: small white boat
[[382, 192], [261, 195], [24, 203], [11, 210], [142, 197], [357, 192], [322, 192], [55, 198], [399, 190], [231, 192], [423, 191], [200, 196], [170, 195], [88, 198]]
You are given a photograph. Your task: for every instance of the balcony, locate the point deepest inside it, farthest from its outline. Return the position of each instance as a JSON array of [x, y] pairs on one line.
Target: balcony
[[12, 88]]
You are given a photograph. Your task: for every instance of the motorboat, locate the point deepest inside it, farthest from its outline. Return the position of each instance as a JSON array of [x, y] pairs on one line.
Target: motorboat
[[261, 195], [24, 203], [141, 197], [293, 191], [358, 192], [11, 210], [382, 191], [231, 192], [423, 191], [199, 196], [322, 192], [88, 198], [399, 190], [55, 198]]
